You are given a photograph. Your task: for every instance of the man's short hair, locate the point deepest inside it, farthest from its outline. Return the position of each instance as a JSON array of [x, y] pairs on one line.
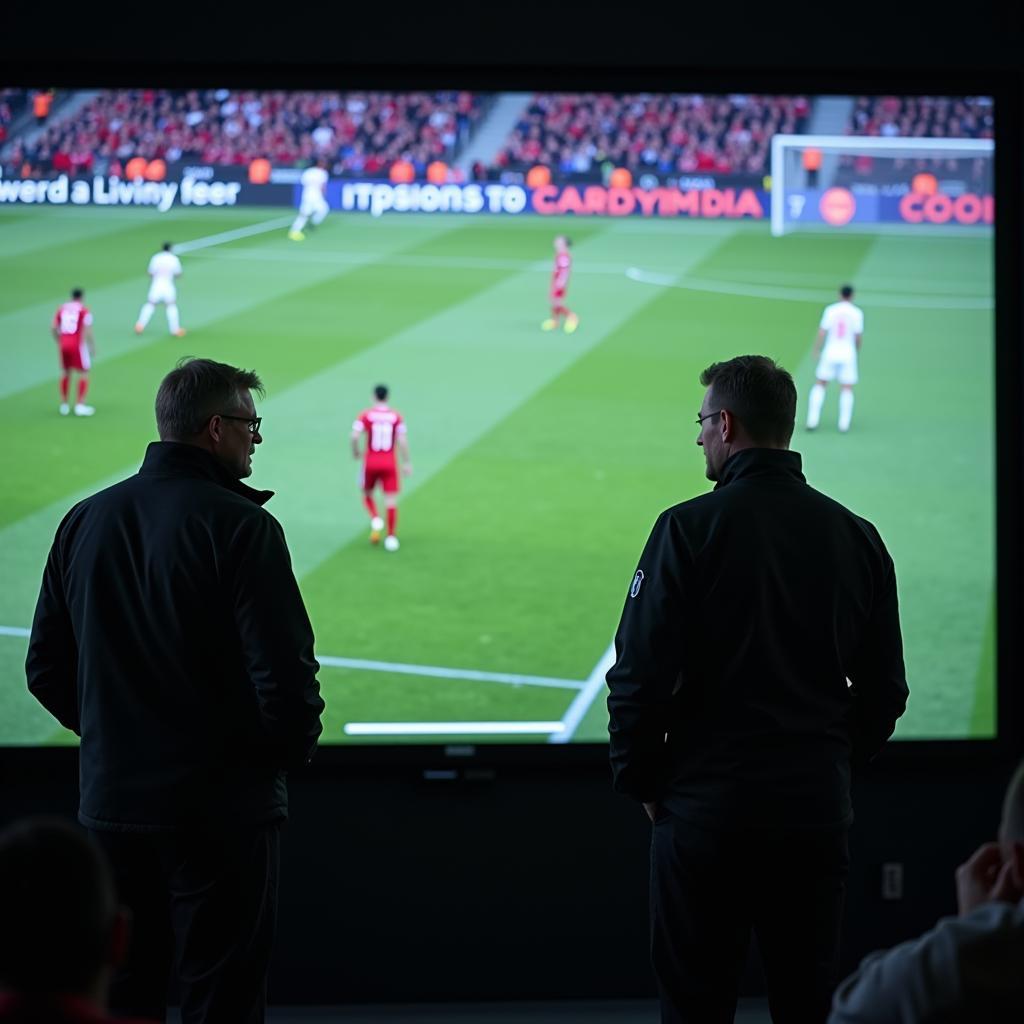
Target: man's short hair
[[167, 246], [759, 393], [196, 390], [846, 291], [76, 293], [1013, 807], [380, 392], [58, 908]]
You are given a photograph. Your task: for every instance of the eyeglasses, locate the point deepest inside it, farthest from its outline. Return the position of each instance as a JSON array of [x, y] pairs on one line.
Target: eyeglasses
[[707, 415], [253, 422]]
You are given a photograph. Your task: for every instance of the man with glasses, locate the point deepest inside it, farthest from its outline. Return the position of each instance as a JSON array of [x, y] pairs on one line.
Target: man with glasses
[[170, 635], [759, 651]]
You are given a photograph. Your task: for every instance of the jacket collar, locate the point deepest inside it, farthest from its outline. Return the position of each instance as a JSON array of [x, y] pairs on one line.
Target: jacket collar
[[774, 463], [172, 458]]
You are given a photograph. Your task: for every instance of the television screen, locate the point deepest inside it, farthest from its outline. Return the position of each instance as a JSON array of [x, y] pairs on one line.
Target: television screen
[[538, 280]]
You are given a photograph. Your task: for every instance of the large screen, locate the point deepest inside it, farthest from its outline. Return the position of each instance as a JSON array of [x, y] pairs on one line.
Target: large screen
[[544, 434]]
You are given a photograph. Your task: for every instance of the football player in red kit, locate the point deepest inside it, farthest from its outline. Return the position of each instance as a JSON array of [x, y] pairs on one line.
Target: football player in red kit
[[559, 284], [72, 330], [384, 430]]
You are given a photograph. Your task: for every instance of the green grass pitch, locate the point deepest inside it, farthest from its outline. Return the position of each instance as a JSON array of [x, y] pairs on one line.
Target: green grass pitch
[[540, 460]]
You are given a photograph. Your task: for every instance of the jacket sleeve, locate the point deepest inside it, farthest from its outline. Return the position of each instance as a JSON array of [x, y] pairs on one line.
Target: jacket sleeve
[[648, 659], [878, 678], [276, 639], [51, 667]]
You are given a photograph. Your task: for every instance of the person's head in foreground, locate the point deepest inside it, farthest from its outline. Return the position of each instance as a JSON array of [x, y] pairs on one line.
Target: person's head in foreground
[[209, 405], [995, 872], [62, 933], [749, 402]]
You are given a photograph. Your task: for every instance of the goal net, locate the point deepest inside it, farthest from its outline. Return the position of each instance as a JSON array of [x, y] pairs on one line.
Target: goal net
[[832, 181]]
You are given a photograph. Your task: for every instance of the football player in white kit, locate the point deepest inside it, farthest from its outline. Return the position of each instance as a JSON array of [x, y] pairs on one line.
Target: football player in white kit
[[841, 330], [164, 267], [314, 199]]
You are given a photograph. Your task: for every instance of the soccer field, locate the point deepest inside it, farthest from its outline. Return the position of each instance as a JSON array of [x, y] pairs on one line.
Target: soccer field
[[540, 460]]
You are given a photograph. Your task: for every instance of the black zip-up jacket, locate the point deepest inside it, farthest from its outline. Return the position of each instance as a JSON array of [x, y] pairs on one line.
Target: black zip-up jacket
[[759, 649], [171, 636]]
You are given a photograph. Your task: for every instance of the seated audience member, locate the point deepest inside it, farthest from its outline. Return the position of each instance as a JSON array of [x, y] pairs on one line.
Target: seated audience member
[[968, 969], [61, 930]]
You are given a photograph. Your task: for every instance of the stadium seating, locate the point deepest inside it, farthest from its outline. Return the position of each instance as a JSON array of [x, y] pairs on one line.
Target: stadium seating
[[579, 136], [362, 134]]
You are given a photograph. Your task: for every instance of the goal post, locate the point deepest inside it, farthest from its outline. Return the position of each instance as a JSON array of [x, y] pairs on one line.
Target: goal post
[[800, 197]]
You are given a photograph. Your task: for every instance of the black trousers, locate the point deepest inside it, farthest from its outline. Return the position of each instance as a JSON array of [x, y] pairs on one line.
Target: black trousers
[[204, 903], [711, 889]]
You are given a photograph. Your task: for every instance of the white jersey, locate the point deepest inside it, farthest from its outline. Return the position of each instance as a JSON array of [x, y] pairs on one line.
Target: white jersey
[[164, 267], [313, 181], [842, 322]]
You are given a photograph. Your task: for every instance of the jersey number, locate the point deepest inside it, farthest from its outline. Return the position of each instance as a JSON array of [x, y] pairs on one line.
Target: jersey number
[[841, 329], [381, 435], [68, 322]]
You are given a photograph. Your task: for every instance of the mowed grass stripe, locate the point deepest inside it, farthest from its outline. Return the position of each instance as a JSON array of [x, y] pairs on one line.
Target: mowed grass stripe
[[520, 551], [919, 463], [209, 292], [288, 329], [454, 375]]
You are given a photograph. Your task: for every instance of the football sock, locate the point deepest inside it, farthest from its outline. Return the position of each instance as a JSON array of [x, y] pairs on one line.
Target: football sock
[[371, 505], [845, 409], [145, 313], [172, 318], [814, 404], [83, 387], [392, 519], [299, 223], [65, 383]]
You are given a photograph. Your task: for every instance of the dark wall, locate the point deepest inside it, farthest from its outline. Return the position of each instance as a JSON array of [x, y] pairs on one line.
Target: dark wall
[[534, 884]]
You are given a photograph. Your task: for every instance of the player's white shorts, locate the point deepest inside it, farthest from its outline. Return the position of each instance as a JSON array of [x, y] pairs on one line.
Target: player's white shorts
[[163, 291], [315, 204], [837, 366]]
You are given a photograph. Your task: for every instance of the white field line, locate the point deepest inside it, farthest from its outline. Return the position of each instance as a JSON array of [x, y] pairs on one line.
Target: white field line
[[230, 236], [582, 701], [874, 299], [451, 728], [398, 668], [666, 280], [451, 673]]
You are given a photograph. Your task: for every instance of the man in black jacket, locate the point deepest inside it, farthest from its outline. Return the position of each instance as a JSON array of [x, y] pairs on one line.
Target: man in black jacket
[[171, 636], [759, 650]]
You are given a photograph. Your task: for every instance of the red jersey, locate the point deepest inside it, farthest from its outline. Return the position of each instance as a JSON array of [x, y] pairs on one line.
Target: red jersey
[[70, 321], [560, 275], [382, 426]]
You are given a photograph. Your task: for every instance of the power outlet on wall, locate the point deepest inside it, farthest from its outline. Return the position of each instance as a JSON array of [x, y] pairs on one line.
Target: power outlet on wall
[[892, 881]]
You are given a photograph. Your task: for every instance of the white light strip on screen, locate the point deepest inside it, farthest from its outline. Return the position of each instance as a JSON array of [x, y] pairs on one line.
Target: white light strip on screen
[[450, 728]]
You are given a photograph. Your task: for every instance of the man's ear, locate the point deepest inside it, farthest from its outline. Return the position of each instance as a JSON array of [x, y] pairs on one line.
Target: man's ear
[[728, 426], [214, 428]]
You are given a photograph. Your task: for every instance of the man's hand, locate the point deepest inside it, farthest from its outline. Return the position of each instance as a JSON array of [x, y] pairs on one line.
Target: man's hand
[[407, 469], [993, 872], [651, 809]]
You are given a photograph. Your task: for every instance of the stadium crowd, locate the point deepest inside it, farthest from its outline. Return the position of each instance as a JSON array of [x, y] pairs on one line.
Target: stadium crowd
[[917, 117], [670, 134], [361, 133]]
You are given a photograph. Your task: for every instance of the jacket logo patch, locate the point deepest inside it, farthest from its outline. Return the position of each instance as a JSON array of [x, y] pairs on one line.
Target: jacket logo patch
[[637, 580]]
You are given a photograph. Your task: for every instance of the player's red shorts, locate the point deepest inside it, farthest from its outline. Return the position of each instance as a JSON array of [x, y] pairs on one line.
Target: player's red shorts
[[74, 355], [385, 475], [557, 294]]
